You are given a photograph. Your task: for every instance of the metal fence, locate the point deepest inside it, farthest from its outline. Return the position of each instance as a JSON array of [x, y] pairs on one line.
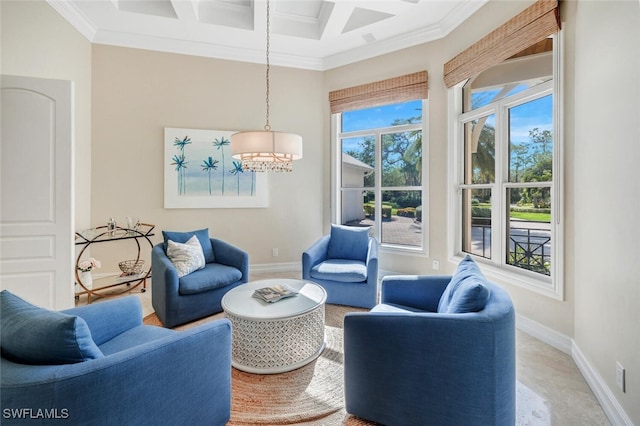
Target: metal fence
[[529, 248]]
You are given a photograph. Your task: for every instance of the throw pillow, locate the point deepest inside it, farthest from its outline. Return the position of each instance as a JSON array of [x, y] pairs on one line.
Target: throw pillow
[[33, 335], [183, 237], [348, 242], [186, 257], [467, 291]]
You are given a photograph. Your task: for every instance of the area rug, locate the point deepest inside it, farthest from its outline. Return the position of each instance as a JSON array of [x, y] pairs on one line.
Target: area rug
[[310, 395]]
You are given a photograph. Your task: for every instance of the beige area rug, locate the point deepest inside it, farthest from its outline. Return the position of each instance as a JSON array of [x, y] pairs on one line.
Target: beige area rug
[[310, 395]]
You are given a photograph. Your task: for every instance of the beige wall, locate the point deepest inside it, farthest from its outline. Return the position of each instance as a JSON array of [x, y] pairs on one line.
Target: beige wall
[[137, 93], [607, 196], [38, 42]]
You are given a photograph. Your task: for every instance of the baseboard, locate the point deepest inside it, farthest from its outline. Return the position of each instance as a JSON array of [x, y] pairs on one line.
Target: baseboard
[[610, 405], [547, 335], [276, 267]]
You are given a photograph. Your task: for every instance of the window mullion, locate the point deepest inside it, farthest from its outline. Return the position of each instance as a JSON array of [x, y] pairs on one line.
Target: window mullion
[[378, 186], [336, 173], [500, 224], [533, 184]]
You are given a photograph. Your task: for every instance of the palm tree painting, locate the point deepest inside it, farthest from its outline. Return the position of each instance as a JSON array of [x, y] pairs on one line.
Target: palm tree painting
[[220, 144], [181, 143], [181, 166], [180, 162], [215, 180], [208, 165], [237, 169]]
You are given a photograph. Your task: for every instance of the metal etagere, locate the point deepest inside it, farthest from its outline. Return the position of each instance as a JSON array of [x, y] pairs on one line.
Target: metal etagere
[[108, 286]]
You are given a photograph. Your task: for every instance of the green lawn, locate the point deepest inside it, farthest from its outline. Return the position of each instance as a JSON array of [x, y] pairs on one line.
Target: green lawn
[[532, 217]]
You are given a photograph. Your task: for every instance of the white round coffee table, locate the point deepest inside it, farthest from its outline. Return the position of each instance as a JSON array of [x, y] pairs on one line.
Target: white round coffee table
[[271, 338]]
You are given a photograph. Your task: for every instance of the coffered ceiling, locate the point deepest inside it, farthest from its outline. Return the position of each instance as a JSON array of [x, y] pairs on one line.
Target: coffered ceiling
[[310, 34]]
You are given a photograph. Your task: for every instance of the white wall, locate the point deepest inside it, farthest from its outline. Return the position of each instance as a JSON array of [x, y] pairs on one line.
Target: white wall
[[606, 82], [38, 42]]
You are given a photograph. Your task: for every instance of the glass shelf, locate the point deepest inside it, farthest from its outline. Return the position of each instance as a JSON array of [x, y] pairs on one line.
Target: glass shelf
[[103, 234]]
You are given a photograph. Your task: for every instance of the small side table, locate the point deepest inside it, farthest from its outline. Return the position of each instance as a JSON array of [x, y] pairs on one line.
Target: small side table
[[271, 338]]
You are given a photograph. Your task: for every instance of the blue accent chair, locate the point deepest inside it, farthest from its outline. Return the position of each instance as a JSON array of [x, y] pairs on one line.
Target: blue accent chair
[[413, 361], [178, 300], [345, 263], [99, 365]]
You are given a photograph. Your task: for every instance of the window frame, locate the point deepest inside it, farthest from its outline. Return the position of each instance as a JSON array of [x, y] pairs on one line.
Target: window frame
[[336, 184], [497, 268]]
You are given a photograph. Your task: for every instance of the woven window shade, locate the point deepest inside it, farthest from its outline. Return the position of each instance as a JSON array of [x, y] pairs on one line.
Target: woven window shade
[[529, 27], [394, 90]]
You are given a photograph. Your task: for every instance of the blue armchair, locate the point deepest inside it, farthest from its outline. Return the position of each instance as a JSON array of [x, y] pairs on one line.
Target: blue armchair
[[99, 365], [345, 263], [178, 300], [438, 350]]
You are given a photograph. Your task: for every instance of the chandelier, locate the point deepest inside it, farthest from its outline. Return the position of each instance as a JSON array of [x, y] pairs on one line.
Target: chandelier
[[266, 150]]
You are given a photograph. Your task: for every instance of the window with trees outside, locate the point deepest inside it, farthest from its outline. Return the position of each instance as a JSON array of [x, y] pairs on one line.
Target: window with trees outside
[[507, 166], [379, 181]]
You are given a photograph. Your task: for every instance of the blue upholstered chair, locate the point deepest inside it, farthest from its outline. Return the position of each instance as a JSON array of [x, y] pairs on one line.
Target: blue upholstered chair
[[345, 263], [99, 365], [438, 350], [177, 300]]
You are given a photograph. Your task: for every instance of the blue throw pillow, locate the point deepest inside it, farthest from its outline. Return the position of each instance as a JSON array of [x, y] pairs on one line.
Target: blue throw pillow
[[33, 335], [467, 291], [183, 237], [348, 242]]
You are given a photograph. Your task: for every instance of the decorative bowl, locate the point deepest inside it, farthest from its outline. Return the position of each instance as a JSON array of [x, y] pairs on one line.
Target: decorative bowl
[[131, 267]]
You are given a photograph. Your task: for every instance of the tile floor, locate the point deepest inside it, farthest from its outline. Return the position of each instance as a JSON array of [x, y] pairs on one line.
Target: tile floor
[[550, 389]]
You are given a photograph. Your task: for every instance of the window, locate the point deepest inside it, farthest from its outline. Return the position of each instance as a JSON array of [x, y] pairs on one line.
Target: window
[[379, 179], [378, 153], [507, 168]]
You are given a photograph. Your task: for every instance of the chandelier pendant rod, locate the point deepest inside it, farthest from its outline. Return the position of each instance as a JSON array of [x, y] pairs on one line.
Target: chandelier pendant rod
[[267, 127]]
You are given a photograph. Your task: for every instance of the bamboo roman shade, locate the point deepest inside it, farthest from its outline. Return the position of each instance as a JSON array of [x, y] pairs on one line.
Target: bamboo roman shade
[[394, 90], [531, 26]]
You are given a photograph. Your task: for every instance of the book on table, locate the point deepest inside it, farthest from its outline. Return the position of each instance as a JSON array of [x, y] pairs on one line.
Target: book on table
[[274, 293]]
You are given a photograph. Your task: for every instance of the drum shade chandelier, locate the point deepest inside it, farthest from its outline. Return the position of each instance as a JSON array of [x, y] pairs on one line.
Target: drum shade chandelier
[[266, 150]]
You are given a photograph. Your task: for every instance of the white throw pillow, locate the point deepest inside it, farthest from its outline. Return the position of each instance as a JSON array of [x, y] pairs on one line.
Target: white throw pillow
[[186, 257]]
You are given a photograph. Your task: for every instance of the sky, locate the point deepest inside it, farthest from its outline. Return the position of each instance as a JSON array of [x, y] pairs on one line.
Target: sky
[[375, 118], [382, 116], [537, 113]]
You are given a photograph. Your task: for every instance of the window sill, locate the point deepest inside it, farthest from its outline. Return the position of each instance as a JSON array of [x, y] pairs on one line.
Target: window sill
[[418, 251], [544, 285]]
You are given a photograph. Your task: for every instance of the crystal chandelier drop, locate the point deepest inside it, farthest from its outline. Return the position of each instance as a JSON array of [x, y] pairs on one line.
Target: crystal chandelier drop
[[266, 150]]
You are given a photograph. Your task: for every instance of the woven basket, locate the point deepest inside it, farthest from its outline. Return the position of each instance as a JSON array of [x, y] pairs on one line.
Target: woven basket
[[131, 267]]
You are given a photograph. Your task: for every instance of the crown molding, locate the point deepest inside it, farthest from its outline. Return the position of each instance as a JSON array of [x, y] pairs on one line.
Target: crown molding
[[208, 50], [243, 54], [382, 47]]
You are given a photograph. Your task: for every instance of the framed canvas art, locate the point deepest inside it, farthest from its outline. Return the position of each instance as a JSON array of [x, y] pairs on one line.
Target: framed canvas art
[[199, 172]]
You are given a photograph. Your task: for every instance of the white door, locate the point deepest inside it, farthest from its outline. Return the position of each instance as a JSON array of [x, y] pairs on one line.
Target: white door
[[36, 183]]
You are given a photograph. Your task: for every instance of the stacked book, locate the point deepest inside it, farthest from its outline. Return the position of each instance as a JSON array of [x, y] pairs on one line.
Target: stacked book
[[274, 293]]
